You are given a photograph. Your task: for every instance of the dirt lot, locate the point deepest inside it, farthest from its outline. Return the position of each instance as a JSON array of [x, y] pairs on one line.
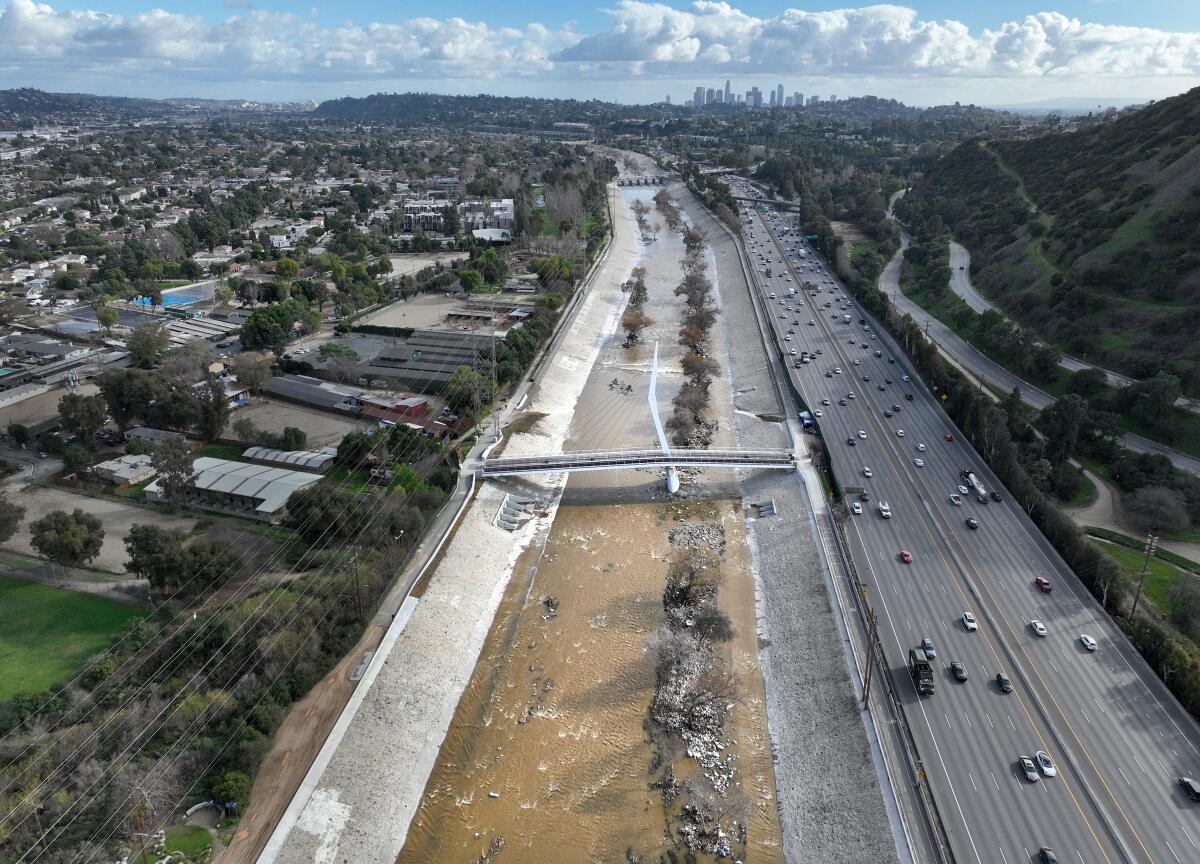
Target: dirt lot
[[425, 310], [41, 407], [323, 429], [117, 518], [410, 264]]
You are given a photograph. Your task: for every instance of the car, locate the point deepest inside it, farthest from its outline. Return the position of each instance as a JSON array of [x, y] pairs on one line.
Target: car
[[969, 622], [956, 500], [1038, 627], [787, 338], [811, 323], [908, 396], [963, 490], [887, 412], [896, 408], [1042, 758], [958, 670], [856, 509], [792, 351], [1045, 854], [1029, 769], [906, 556], [948, 436], [921, 448], [837, 370], [1087, 641], [1003, 683], [862, 433], [820, 351], [855, 361], [920, 463], [905, 378], [881, 387], [927, 647], [864, 495], [972, 523], [866, 377], [892, 360], [43, 455], [887, 380], [824, 401], [851, 441], [899, 433], [1043, 584], [842, 402], [850, 395], [828, 374], [818, 413], [866, 471], [878, 353], [1191, 788]]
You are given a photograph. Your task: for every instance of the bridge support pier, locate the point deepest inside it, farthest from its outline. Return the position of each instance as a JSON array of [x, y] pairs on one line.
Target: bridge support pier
[[672, 479]]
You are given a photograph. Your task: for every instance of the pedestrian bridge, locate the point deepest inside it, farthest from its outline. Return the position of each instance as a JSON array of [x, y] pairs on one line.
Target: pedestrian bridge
[[643, 181], [616, 460]]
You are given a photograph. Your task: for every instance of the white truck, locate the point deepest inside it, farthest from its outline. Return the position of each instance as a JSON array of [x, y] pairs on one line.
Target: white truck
[[973, 481]]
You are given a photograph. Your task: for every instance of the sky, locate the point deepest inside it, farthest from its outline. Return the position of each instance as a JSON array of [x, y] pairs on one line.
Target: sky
[[930, 52]]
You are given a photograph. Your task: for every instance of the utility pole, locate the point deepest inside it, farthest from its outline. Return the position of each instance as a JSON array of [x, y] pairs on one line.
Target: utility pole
[[1149, 550]]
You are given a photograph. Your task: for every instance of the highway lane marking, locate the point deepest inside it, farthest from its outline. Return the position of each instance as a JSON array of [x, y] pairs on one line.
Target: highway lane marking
[[1172, 848], [1138, 762], [1098, 705], [1052, 663], [1123, 775], [967, 717], [1188, 834], [1162, 766], [989, 719], [1085, 717], [1002, 855], [947, 716], [971, 774], [1012, 724], [994, 783], [1080, 857]]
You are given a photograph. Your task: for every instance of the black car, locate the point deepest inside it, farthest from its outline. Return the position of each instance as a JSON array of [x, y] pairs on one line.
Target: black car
[[1046, 855], [908, 396], [995, 496], [887, 380], [866, 377], [841, 401], [1003, 683], [896, 408], [864, 495], [887, 413], [850, 441], [1191, 787], [892, 361], [958, 670], [972, 523], [882, 387]]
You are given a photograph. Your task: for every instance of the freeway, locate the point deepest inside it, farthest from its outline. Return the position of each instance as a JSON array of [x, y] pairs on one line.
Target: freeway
[[1118, 737]]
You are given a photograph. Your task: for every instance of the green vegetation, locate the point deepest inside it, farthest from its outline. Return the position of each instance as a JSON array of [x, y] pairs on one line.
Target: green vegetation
[[1089, 238], [1136, 544], [188, 840], [1161, 577], [47, 633]]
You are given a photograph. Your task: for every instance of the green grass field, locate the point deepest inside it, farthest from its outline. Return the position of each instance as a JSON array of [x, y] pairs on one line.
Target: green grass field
[[47, 633], [1161, 577]]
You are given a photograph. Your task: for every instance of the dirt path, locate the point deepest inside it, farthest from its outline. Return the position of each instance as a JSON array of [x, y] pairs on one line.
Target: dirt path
[[1105, 512]]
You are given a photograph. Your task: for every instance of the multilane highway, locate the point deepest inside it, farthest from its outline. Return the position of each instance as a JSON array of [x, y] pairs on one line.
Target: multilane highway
[[1117, 736]]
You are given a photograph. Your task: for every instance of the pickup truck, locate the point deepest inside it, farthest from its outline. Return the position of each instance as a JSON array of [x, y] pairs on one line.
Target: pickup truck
[[1043, 584]]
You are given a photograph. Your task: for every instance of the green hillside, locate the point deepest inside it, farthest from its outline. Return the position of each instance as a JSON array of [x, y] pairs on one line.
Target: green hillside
[[1091, 238]]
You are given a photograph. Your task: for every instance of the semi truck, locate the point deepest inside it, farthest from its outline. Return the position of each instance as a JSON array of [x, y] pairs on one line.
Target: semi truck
[[922, 671], [973, 481]]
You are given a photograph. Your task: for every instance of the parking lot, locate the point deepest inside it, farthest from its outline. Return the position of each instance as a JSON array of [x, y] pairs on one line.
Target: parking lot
[[323, 429]]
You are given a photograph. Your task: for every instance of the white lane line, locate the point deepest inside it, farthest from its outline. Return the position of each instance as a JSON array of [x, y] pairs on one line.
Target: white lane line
[[1123, 775], [1085, 717], [1188, 834], [1052, 663], [1139, 764], [1002, 855], [967, 717], [1010, 723], [1172, 848], [1098, 705], [971, 774], [1162, 766], [989, 719], [997, 785], [1080, 857], [947, 716]]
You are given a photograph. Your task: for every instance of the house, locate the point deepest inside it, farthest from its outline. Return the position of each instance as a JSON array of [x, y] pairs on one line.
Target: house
[[154, 436], [42, 349], [129, 194], [126, 470], [240, 488], [395, 410]]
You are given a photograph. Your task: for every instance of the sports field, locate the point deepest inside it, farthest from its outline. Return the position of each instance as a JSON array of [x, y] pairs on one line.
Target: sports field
[[47, 633]]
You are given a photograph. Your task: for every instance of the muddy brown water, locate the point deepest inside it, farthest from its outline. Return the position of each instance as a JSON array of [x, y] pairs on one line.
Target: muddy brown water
[[552, 723]]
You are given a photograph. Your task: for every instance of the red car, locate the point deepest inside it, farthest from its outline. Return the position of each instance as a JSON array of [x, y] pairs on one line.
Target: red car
[[948, 437], [1043, 584], [905, 556]]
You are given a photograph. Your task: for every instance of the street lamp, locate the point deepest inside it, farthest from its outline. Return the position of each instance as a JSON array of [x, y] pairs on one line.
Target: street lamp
[[1150, 547]]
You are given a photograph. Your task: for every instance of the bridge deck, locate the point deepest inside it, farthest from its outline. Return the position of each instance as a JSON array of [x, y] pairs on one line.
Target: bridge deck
[[602, 460]]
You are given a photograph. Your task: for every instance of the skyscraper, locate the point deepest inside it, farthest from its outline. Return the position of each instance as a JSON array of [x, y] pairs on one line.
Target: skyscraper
[[772, 98], [728, 92], [754, 97], [719, 97], [779, 96], [798, 99], [698, 99], [708, 96], [668, 98]]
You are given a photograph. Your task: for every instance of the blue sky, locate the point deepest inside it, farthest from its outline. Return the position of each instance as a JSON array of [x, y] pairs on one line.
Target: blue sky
[[927, 52]]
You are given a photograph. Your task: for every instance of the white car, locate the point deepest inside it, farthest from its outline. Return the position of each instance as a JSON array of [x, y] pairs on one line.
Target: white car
[[818, 413], [1038, 627], [1042, 758], [837, 370], [905, 378], [862, 433], [969, 622], [956, 500], [920, 448], [856, 509], [1088, 642], [920, 463], [866, 471], [899, 433], [963, 490]]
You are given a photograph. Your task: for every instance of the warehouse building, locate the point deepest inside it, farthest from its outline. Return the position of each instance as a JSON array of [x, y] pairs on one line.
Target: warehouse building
[[306, 460], [240, 488]]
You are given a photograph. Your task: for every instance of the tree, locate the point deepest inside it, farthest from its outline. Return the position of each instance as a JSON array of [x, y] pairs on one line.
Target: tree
[[1061, 423], [1088, 383], [1154, 398], [1157, 509], [164, 558], [76, 457], [467, 390], [293, 439], [190, 361], [68, 539], [469, 279], [353, 449], [10, 516], [10, 310], [252, 369], [82, 415], [147, 344], [106, 317], [450, 222], [214, 408], [286, 268], [173, 461], [270, 328], [19, 433], [490, 266], [333, 349], [233, 787]]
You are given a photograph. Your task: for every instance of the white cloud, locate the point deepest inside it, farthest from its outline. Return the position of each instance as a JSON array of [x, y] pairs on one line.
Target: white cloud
[[644, 46]]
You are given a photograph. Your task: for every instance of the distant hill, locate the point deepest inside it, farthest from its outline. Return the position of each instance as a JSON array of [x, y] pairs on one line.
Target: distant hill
[[431, 109], [1090, 238], [28, 101]]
